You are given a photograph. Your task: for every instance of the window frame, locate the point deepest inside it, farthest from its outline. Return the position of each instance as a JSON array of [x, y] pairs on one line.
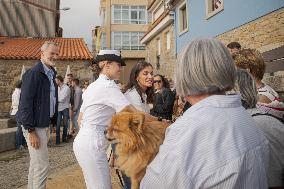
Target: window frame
[[180, 18], [138, 9], [168, 40], [208, 5], [130, 45], [103, 41], [159, 50], [157, 9]]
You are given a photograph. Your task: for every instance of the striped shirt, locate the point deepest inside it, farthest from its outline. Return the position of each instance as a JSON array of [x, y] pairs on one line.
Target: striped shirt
[[215, 144]]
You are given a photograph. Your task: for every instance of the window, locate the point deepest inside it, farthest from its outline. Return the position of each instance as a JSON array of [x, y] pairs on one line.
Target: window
[[127, 41], [103, 16], [213, 7], [182, 15], [168, 40], [159, 47], [158, 12], [149, 17], [124, 14], [103, 41]]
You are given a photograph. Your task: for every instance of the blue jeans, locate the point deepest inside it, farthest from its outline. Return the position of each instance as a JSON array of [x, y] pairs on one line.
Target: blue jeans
[[126, 179], [65, 114], [20, 139]]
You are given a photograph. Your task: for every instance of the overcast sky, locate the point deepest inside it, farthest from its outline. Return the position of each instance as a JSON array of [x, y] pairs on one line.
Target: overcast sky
[[79, 21]]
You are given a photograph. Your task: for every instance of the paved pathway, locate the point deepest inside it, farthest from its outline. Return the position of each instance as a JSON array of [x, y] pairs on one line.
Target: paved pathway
[[65, 172]]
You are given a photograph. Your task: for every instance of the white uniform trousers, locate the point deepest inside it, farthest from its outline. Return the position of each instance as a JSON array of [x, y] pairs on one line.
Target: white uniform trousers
[[39, 164], [90, 150]]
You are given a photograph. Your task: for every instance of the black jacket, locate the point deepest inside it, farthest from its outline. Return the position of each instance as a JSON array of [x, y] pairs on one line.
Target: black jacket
[[34, 105], [163, 104]]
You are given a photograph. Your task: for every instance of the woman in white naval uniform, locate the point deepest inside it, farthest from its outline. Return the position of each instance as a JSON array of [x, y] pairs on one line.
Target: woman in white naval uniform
[[101, 100]]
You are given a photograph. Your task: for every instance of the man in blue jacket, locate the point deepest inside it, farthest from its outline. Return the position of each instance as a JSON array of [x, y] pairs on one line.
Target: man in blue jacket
[[38, 104]]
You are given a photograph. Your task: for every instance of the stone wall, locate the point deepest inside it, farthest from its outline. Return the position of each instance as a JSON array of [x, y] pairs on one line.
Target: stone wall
[[10, 71], [167, 57], [264, 34]]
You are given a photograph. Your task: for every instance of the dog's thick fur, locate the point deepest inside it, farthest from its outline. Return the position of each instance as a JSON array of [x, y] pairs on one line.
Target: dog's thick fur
[[138, 141]]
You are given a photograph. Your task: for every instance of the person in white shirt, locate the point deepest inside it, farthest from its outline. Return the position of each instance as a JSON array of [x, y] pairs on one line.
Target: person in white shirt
[[101, 100], [215, 143], [16, 98], [139, 90], [268, 101], [20, 139], [272, 127], [63, 108]]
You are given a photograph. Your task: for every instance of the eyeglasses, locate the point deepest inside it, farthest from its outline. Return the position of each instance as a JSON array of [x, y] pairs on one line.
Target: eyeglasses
[[157, 81]]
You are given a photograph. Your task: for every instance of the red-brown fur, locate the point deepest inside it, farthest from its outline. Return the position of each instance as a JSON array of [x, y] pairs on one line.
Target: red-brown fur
[[138, 140]]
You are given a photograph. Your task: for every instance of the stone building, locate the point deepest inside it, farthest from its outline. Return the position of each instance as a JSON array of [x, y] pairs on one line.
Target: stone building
[[123, 23], [159, 39], [18, 52], [253, 24]]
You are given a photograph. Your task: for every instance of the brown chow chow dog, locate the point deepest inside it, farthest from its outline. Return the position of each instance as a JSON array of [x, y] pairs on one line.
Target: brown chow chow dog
[[138, 141]]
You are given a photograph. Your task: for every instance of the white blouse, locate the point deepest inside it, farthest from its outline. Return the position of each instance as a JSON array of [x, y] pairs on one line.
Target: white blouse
[[15, 100], [134, 98]]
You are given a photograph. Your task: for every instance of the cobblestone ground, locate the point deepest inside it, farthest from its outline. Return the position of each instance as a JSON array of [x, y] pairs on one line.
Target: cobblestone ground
[[64, 174]]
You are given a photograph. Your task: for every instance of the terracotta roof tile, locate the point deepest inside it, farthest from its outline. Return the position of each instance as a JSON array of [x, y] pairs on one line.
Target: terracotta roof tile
[[29, 48]]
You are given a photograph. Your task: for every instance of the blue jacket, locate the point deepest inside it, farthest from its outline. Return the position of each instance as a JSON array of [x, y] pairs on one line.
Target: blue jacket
[[34, 105]]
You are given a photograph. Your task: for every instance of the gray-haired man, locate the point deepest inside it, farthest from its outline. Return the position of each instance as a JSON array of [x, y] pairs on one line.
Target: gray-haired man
[[38, 103]]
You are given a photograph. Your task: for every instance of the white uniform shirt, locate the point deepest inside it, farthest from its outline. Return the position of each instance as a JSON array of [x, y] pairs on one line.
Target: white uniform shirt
[[101, 100], [63, 97], [215, 144], [135, 99]]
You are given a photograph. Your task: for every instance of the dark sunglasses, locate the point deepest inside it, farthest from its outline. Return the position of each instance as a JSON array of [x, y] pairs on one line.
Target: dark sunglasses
[[157, 81]]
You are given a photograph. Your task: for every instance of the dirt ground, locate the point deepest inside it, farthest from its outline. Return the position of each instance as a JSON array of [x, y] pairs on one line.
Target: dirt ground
[[72, 178]]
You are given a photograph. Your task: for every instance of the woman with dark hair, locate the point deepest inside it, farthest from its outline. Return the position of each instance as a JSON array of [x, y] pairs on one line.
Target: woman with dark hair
[[139, 90], [164, 98]]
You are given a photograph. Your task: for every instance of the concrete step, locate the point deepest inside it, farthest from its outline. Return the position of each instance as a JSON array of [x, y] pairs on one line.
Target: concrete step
[[7, 123], [7, 139]]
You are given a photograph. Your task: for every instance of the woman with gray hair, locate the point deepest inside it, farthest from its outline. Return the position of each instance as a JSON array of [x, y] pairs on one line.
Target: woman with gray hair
[[215, 143], [271, 126]]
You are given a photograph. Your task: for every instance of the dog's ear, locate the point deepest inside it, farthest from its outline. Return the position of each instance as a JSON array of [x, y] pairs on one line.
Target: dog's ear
[[138, 120]]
